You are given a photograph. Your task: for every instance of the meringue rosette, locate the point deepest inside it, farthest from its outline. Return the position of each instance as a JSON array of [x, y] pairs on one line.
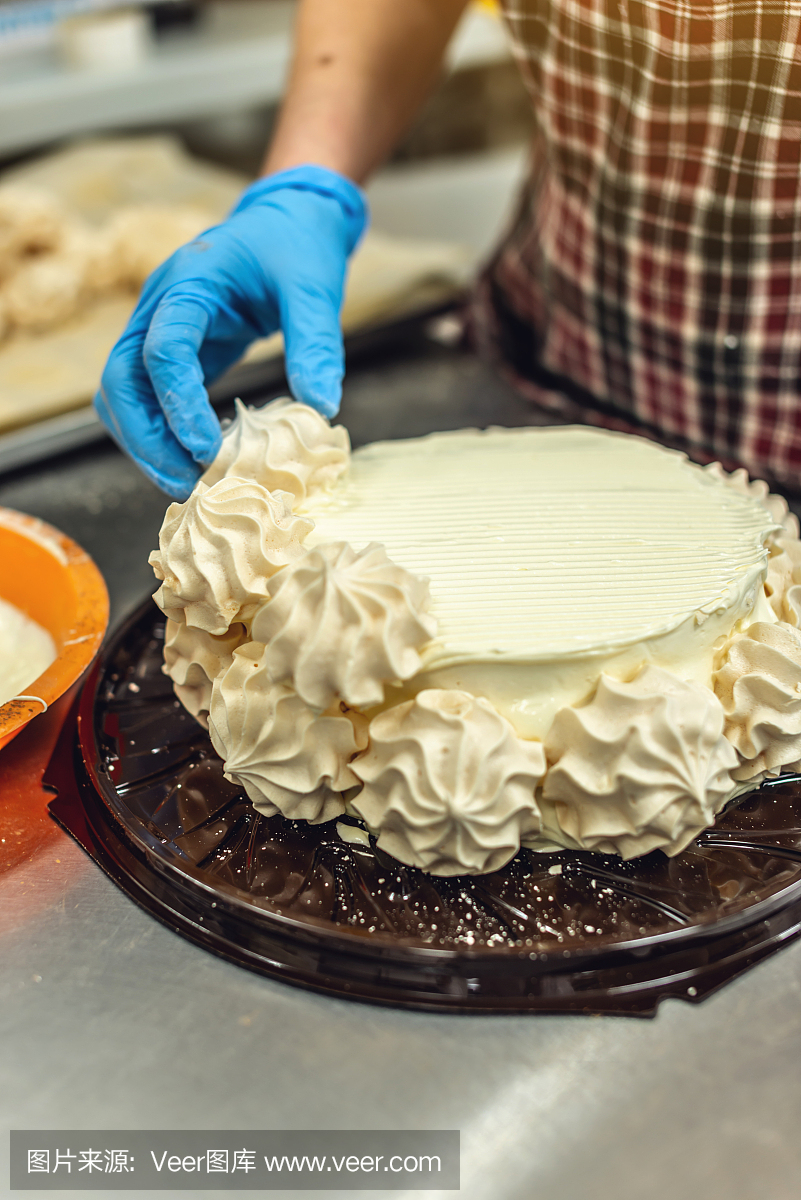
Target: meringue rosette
[[758, 682], [219, 549], [340, 624], [757, 489], [783, 582], [193, 659], [288, 758], [448, 785], [643, 765], [283, 446]]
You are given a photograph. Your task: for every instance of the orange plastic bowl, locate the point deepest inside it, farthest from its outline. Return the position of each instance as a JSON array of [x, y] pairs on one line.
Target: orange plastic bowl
[[54, 582]]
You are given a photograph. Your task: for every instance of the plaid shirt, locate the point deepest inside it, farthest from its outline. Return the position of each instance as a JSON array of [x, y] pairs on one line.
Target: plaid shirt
[[651, 281]]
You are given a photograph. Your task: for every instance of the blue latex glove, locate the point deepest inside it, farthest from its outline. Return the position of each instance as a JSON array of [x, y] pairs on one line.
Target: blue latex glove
[[277, 262]]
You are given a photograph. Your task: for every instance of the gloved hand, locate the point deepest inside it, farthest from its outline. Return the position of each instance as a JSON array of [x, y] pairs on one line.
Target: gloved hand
[[277, 262]]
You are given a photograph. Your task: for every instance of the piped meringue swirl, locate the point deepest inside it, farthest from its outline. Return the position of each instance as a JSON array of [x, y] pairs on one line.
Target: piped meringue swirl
[[288, 758], [340, 624], [783, 583], [758, 683], [448, 785], [219, 549], [193, 659], [757, 489], [643, 765], [284, 445]]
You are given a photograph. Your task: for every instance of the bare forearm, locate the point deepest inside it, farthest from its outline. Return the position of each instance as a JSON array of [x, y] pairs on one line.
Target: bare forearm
[[361, 71]]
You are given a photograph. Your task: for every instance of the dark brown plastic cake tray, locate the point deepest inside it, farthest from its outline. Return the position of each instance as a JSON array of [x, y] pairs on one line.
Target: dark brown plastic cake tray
[[141, 789]]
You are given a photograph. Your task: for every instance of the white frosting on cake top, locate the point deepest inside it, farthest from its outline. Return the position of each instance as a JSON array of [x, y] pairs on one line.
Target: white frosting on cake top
[[551, 551], [537, 544]]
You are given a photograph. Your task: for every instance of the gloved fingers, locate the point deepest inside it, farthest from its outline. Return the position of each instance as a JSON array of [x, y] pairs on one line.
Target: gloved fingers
[[218, 354], [127, 406], [315, 355], [172, 357]]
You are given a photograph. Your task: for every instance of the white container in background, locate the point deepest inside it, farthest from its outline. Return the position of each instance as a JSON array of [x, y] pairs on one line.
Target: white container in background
[[118, 40]]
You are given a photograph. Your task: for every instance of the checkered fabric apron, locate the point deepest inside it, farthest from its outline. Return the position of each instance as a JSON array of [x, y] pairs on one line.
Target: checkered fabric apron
[[651, 280]]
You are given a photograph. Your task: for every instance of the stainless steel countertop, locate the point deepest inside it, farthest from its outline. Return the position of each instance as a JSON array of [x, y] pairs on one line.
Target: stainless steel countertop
[[109, 1020]]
